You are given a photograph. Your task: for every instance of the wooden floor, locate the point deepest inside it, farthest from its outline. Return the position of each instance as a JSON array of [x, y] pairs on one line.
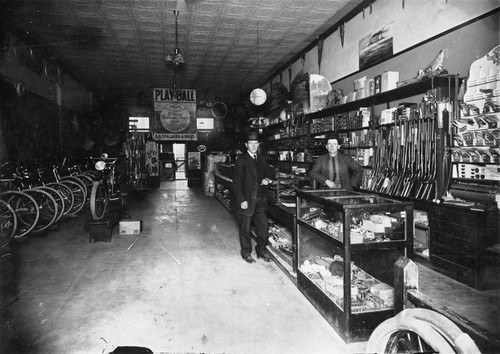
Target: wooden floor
[[476, 312]]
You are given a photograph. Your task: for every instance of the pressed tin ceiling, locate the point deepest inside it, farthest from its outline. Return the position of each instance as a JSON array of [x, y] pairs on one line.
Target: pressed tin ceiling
[[117, 47]]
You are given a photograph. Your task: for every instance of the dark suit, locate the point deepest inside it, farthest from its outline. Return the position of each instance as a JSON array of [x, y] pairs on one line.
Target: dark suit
[[248, 176], [350, 172]]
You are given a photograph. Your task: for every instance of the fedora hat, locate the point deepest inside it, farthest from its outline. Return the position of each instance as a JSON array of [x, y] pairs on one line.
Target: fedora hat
[[252, 135], [333, 135]]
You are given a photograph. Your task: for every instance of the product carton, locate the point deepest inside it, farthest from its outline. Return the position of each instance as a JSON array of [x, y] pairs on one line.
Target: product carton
[[130, 227], [389, 80]]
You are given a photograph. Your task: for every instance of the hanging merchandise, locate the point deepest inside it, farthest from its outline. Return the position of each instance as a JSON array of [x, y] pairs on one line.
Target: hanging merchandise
[[135, 153], [152, 158]]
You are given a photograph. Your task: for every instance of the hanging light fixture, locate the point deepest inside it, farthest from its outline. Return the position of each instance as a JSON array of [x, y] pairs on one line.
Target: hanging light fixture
[[176, 58]]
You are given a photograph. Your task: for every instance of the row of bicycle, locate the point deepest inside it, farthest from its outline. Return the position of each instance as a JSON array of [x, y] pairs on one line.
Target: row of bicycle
[[31, 201]]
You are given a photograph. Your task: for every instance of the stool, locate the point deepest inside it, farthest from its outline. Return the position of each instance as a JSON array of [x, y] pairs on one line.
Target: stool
[[102, 230]]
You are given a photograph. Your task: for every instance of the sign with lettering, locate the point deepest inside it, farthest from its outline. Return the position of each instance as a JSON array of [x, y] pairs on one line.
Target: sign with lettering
[[174, 114]]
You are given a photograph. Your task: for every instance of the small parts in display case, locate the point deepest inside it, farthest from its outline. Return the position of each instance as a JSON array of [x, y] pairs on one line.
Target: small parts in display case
[[364, 226], [367, 293], [281, 239], [377, 227], [223, 194], [329, 223]]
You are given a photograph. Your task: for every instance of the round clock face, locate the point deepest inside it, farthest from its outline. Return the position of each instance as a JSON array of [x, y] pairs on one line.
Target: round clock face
[[258, 96]]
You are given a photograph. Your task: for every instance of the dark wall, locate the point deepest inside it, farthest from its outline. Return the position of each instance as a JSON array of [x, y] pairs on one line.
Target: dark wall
[[29, 126]]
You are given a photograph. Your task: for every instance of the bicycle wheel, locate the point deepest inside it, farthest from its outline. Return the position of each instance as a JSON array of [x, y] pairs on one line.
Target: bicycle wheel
[[88, 181], [47, 206], [78, 196], [406, 342], [66, 193], [99, 199], [8, 223], [79, 181], [58, 198], [26, 209]]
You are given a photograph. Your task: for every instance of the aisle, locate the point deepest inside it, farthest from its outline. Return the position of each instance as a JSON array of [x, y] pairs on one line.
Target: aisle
[[181, 286]]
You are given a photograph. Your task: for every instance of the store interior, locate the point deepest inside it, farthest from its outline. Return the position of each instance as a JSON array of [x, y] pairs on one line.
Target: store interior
[[119, 135]]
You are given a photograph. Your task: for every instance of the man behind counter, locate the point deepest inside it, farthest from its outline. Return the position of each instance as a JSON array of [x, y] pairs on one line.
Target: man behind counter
[[336, 170]]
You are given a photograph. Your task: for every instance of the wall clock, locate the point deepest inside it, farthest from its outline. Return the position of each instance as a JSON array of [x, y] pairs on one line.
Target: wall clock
[[258, 96]]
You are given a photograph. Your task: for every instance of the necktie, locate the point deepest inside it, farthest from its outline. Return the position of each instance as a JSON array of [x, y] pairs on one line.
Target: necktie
[[334, 175]]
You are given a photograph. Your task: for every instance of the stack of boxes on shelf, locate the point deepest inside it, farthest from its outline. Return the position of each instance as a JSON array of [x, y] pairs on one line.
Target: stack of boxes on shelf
[[477, 131], [364, 87]]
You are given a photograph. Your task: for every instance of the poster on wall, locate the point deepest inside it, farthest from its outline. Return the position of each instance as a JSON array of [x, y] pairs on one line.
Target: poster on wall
[[174, 115], [194, 160], [376, 47], [319, 87]]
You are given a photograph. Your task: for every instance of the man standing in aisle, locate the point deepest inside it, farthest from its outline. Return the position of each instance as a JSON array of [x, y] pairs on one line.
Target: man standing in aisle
[[336, 170], [252, 175]]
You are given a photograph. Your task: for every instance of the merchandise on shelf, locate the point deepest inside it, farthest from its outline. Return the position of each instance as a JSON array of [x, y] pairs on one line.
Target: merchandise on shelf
[[475, 154]]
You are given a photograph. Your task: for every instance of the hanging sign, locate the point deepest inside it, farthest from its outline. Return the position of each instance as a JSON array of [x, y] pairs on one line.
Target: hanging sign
[[174, 114]]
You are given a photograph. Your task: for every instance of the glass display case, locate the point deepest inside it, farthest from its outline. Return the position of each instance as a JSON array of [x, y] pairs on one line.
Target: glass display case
[[282, 190], [347, 244], [223, 179]]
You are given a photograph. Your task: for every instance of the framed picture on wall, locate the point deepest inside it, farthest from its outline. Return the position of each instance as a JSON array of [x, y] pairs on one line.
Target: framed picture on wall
[[194, 160], [376, 47]]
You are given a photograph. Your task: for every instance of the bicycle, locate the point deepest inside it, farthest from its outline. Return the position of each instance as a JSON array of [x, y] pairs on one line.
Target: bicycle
[[106, 186], [8, 223], [26, 209], [48, 200]]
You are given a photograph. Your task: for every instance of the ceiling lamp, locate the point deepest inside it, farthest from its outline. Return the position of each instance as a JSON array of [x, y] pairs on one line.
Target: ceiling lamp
[[176, 58]]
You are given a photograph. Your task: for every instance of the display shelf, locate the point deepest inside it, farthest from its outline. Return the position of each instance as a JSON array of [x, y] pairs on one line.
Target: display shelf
[[284, 217], [281, 244], [476, 134], [396, 152], [356, 147], [226, 202], [289, 166], [347, 243], [224, 170], [405, 91]]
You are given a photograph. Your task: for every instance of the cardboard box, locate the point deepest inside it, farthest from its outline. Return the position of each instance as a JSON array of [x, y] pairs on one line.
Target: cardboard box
[[359, 84], [130, 227], [390, 80]]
